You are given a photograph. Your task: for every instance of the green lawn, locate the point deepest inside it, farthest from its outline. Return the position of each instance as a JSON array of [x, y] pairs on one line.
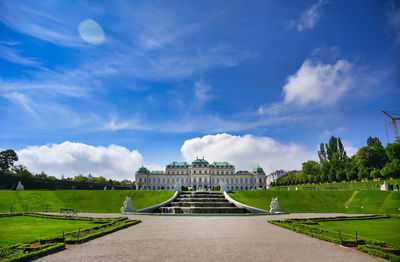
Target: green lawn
[[386, 230], [21, 229], [96, 201], [323, 201], [358, 185]]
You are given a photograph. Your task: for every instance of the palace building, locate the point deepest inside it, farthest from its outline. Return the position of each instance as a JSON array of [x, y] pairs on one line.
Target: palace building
[[200, 175]]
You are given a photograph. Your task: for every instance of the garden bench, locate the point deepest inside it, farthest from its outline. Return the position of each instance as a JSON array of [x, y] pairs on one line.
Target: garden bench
[[68, 212]]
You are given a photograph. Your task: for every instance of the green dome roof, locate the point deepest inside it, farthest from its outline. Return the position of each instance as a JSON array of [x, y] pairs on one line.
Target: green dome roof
[[200, 163], [258, 170], [142, 169]]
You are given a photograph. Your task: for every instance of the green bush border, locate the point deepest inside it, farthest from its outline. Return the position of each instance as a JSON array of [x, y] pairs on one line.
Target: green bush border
[[51, 248], [309, 226], [56, 243]]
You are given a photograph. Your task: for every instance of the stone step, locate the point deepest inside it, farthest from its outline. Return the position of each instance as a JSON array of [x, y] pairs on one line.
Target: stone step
[[201, 195], [201, 210], [179, 199], [201, 204]]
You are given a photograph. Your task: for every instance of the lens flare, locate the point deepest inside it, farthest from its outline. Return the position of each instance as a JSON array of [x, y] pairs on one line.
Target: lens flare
[[91, 32]]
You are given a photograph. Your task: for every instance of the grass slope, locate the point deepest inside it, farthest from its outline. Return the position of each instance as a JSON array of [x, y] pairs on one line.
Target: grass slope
[[323, 201], [96, 201], [21, 229], [386, 230], [358, 185]]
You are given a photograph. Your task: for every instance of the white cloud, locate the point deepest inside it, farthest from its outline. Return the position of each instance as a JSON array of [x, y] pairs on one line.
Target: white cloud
[[320, 83], [39, 24], [314, 84], [246, 152], [308, 18], [71, 159], [22, 100]]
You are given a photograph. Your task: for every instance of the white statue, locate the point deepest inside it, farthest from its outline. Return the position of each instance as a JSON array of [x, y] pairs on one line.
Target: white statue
[[20, 187], [178, 186], [274, 206], [223, 187], [105, 188], [384, 186], [127, 205]]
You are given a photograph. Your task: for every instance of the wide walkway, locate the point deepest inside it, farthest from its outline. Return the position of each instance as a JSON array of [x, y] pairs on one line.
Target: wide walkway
[[211, 238]]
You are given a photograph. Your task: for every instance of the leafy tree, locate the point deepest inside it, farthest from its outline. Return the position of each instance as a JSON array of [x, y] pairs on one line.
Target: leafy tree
[[370, 157], [391, 169], [80, 178], [21, 170], [340, 175], [374, 142], [352, 174], [7, 159], [393, 151], [311, 168], [322, 154], [375, 173], [363, 173]]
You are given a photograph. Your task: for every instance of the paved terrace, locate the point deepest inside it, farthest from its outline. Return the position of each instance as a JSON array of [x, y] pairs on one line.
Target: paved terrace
[[207, 238]]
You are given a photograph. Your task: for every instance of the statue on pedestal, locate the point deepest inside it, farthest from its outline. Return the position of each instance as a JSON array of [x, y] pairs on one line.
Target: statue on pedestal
[[127, 205], [178, 187], [223, 187], [20, 187], [274, 206]]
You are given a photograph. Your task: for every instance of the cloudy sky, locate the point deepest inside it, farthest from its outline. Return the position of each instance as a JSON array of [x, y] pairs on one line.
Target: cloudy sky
[[103, 88]]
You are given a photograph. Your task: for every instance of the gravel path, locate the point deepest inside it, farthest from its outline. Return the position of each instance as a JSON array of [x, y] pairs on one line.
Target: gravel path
[[211, 238]]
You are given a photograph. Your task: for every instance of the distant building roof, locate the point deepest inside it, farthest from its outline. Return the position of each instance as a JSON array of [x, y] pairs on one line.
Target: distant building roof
[[258, 170]]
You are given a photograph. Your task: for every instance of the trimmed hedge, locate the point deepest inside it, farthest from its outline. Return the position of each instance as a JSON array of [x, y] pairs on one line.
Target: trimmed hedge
[[56, 243], [7, 182], [40, 252], [101, 233], [376, 252], [310, 227]]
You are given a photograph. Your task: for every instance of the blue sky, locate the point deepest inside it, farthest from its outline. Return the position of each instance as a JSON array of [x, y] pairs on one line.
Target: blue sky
[[102, 88]]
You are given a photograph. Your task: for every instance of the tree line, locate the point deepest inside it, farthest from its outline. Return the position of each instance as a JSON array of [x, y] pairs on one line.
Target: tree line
[[371, 161], [7, 167]]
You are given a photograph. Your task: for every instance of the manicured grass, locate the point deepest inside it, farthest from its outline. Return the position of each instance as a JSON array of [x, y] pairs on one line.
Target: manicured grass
[[385, 230], [21, 229], [323, 201], [96, 201], [358, 185]]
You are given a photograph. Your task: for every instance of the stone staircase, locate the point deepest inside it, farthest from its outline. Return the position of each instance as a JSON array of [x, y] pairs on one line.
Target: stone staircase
[[200, 203]]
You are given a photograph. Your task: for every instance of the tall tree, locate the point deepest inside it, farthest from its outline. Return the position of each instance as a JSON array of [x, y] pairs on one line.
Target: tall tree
[[370, 157], [322, 154], [374, 142], [7, 159]]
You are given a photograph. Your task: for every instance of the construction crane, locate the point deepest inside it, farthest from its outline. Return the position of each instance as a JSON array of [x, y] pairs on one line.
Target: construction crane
[[394, 116]]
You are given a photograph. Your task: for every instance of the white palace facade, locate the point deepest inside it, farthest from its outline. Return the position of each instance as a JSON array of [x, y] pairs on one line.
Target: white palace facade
[[200, 175]]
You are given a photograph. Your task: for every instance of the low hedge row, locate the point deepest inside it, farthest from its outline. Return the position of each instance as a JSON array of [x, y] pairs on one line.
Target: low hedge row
[[35, 252], [101, 233], [373, 251], [310, 227], [24, 252]]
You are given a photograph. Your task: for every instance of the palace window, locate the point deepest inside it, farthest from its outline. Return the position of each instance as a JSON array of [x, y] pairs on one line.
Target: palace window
[[173, 180]]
